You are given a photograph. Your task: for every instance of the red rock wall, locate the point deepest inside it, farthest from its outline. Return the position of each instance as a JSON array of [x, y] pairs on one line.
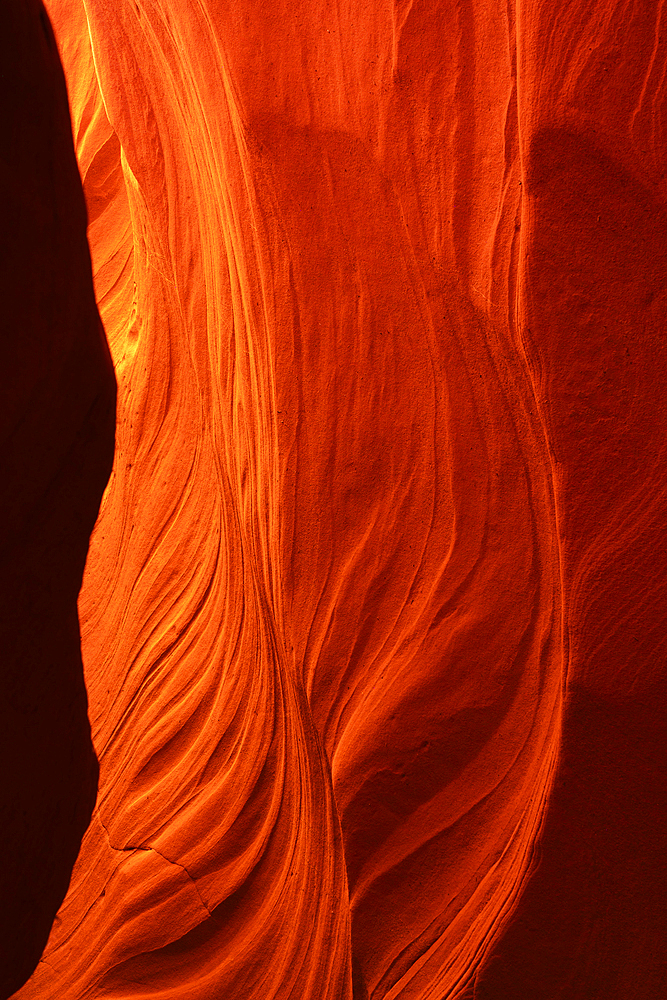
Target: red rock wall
[[373, 618]]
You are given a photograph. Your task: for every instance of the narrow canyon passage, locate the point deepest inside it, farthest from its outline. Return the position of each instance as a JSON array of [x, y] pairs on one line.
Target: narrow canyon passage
[[373, 616]]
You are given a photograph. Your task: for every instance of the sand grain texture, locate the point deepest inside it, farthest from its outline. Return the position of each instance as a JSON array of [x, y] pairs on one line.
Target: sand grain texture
[[373, 615]]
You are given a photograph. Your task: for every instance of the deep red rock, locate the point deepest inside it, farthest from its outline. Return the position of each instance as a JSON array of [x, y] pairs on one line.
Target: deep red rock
[[373, 621]]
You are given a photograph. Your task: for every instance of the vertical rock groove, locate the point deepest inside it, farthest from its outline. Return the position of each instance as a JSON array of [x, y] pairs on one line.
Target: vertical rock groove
[[372, 618]]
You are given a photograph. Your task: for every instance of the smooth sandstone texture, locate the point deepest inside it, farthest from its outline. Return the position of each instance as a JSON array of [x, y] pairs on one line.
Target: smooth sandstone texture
[[57, 397], [373, 618]]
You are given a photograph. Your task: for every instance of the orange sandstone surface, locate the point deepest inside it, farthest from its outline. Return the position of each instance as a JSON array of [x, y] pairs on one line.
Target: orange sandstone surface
[[373, 618]]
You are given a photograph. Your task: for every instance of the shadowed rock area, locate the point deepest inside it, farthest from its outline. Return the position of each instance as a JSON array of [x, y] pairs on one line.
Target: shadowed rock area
[[56, 448], [373, 618]]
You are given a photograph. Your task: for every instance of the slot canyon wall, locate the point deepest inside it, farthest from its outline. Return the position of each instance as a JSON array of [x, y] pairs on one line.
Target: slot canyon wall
[[373, 617]]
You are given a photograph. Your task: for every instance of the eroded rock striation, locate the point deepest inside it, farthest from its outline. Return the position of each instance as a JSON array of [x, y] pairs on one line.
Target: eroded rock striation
[[373, 617]]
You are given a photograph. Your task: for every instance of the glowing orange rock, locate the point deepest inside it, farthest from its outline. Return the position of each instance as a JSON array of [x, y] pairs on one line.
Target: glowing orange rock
[[353, 543]]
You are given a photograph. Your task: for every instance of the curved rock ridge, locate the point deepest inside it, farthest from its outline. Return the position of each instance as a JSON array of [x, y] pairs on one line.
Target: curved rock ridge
[[369, 614]]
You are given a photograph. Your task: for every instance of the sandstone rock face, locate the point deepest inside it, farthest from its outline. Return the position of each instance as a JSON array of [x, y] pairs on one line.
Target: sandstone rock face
[[56, 444], [373, 618]]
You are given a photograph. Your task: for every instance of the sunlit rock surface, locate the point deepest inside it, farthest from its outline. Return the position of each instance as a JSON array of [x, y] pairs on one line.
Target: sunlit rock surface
[[373, 620]]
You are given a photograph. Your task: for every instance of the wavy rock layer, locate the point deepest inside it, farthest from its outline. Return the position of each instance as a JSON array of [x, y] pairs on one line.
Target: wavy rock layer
[[56, 443], [376, 594]]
